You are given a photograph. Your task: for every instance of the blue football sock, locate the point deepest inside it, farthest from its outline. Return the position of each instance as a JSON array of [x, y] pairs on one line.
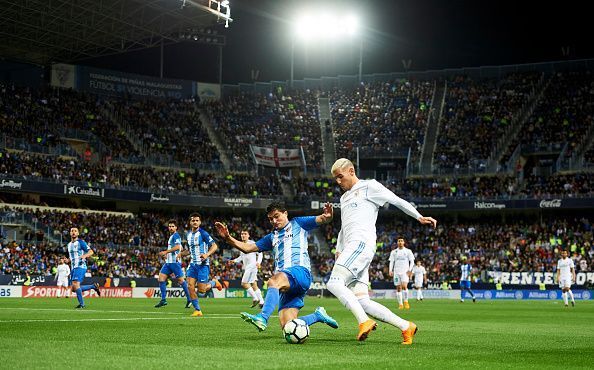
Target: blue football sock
[[84, 288], [272, 298], [79, 297], [195, 304], [184, 285], [311, 318], [163, 287]]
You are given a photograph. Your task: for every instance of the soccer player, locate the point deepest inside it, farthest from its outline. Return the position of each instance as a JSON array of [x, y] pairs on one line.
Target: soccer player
[[402, 261], [79, 251], [251, 263], [420, 276], [201, 246], [565, 276], [465, 269], [62, 277], [349, 280], [292, 277], [171, 266]]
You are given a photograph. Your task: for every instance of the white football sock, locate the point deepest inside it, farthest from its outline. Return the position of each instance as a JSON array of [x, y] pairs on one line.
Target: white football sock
[[571, 295], [405, 295], [250, 292], [347, 298], [59, 294], [399, 296], [564, 295], [258, 294], [419, 293], [382, 313]]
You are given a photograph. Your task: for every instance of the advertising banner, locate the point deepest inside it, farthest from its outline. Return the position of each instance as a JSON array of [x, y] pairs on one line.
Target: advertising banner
[[526, 294], [535, 278], [52, 291], [427, 294], [7, 291]]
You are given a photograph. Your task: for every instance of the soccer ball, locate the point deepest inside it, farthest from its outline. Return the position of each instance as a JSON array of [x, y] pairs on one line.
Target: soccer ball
[[296, 331]]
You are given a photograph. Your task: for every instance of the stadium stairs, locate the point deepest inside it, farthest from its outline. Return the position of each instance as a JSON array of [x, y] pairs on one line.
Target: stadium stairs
[[327, 131], [215, 139], [437, 104], [517, 123]]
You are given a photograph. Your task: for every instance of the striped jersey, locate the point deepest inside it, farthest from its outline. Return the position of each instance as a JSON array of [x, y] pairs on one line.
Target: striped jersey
[[75, 250], [174, 240], [465, 270], [199, 242], [289, 244]]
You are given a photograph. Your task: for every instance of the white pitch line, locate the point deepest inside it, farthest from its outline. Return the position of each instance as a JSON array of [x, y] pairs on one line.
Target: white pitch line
[[104, 311], [116, 319]]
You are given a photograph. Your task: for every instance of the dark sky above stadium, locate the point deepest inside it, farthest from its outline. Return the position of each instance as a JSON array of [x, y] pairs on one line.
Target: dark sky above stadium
[[433, 34]]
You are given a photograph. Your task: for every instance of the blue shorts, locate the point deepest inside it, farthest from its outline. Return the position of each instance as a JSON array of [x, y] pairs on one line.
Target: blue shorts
[[465, 284], [199, 272], [78, 274], [299, 282], [173, 268]]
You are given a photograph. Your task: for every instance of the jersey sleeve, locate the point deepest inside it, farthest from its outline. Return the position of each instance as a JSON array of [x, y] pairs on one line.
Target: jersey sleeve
[[411, 260], [380, 195], [259, 257], [265, 244], [392, 260], [177, 240], [206, 237], [307, 222], [83, 245]]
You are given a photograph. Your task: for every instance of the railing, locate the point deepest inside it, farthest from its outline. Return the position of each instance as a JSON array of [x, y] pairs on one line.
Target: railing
[[22, 144]]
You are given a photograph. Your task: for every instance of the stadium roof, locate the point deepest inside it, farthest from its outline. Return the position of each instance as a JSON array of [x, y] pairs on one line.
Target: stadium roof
[[45, 31]]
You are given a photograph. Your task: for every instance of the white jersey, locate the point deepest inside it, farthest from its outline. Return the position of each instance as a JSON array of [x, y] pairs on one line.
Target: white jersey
[[359, 207], [249, 260], [419, 273], [564, 267], [401, 260], [63, 271]]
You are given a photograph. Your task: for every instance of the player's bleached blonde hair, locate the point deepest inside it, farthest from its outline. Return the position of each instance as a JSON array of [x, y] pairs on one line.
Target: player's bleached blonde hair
[[341, 164]]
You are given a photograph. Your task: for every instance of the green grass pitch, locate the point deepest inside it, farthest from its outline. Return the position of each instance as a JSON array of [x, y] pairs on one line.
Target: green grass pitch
[[130, 334]]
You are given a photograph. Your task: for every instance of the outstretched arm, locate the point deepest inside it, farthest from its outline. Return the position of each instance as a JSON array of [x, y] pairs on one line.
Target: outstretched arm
[[224, 233], [327, 216]]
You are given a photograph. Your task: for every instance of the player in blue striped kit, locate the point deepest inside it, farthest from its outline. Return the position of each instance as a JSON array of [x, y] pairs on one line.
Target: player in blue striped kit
[[201, 246], [292, 278], [465, 270], [79, 251], [171, 266]]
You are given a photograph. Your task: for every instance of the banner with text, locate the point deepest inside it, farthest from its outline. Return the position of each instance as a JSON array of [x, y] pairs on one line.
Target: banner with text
[[535, 278], [526, 294], [276, 157]]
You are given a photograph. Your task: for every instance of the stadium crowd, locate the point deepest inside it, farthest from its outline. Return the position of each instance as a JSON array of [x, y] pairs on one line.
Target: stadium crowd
[[128, 246]]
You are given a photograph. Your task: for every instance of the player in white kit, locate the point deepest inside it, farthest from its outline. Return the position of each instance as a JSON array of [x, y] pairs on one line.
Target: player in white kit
[[349, 280], [420, 276], [62, 276], [402, 261], [251, 263], [565, 276]]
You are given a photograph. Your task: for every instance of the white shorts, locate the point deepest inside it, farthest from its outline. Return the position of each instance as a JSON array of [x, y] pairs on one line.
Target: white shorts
[[418, 283], [401, 278], [564, 283], [63, 282], [249, 276], [356, 258]]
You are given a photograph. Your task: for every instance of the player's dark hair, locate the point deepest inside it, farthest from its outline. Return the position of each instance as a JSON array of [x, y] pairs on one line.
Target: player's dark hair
[[172, 221], [276, 206], [195, 214]]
